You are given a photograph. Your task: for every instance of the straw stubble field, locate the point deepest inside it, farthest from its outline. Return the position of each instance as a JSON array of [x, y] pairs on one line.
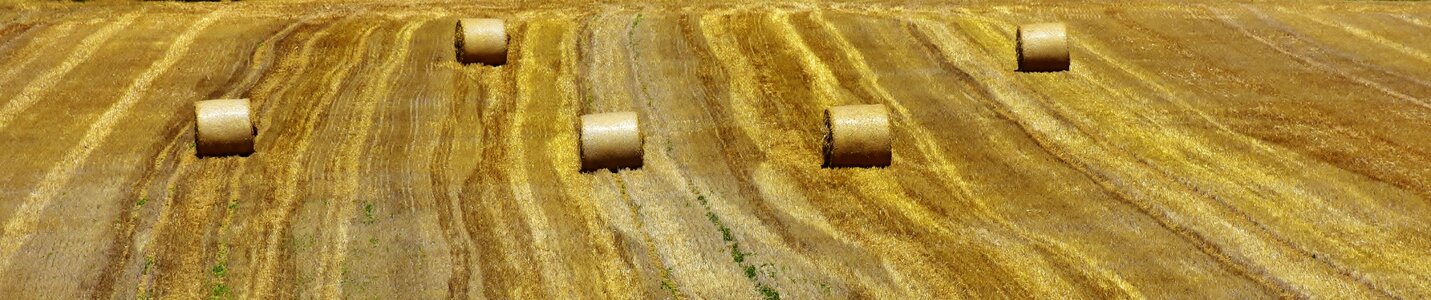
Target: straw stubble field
[[1202, 150]]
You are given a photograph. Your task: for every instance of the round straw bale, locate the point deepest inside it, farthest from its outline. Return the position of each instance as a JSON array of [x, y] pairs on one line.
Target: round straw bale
[[858, 136], [611, 141], [482, 41], [1043, 47], [223, 127]]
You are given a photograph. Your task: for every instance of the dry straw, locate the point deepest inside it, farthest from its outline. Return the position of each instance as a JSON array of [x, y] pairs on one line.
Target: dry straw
[[1043, 47], [858, 136], [611, 141], [223, 127], [482, 41]]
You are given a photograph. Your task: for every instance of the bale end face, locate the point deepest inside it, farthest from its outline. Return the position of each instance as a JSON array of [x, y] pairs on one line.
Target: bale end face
[[858, 136], [481, 41], [611, 141], [1043, 47], [223, 127]]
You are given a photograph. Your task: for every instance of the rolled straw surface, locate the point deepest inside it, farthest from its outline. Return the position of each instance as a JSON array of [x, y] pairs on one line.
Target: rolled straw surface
[[1043, 47], [611, 141], [223, 127], [858, 136], [482, 41]]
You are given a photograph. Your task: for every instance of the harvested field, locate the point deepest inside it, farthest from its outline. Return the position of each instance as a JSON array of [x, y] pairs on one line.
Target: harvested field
[[1205, 150]]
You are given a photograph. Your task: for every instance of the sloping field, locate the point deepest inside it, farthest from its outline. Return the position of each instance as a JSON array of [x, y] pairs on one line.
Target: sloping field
[[1193, 150]]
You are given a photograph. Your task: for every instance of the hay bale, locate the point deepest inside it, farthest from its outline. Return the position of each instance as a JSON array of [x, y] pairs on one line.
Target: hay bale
[[611, 141], [223, 127], [1043, 47], [858, 136], [482, 41]]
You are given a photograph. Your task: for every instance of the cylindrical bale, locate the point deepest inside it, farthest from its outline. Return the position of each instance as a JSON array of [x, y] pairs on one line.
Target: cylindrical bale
[[482, 41], [1043, 47], [223, 127], [611, 141], [858, 136]]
